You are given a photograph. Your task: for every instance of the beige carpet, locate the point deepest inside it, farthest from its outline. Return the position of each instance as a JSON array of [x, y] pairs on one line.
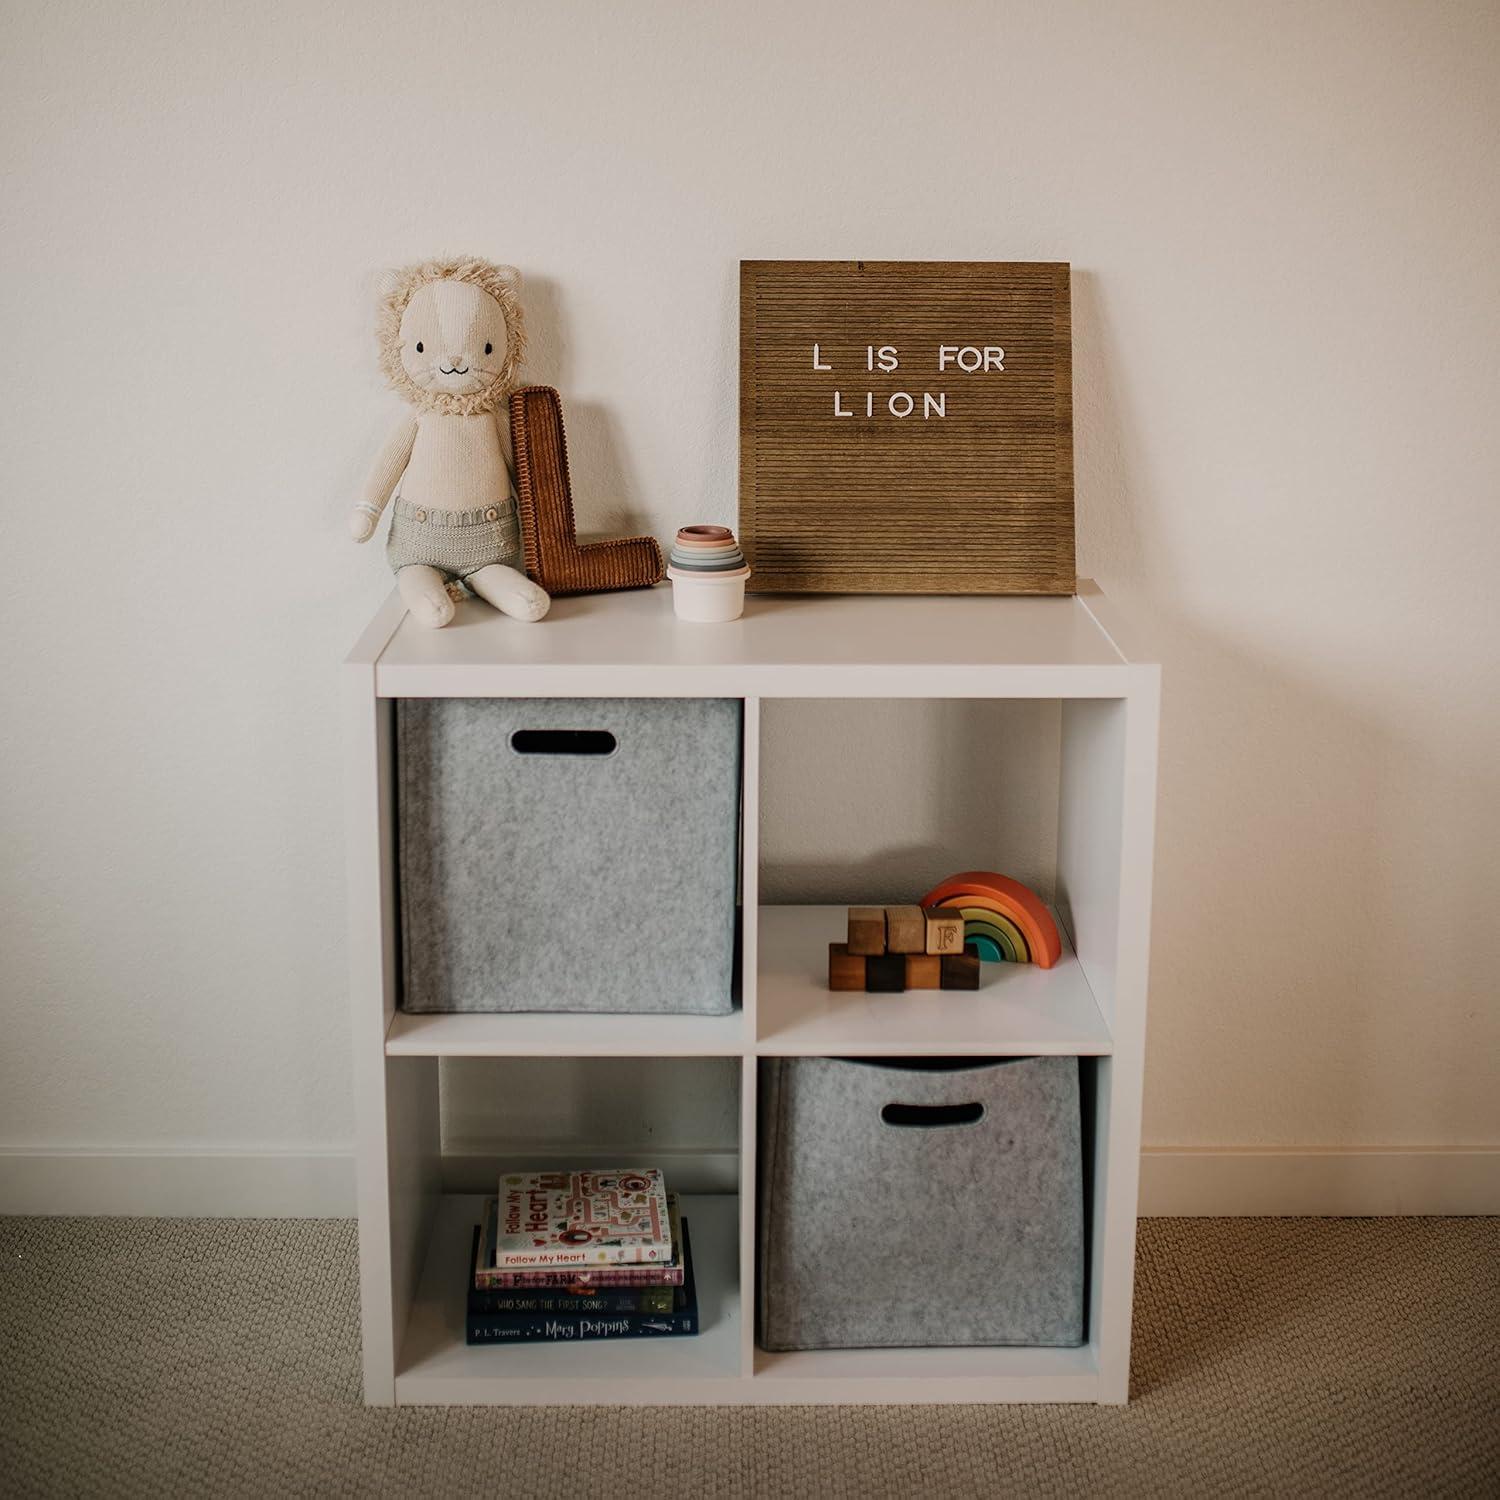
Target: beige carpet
[[1303, 1357]]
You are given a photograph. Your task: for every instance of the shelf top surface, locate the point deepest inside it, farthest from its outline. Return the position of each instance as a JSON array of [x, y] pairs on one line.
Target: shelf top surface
[[434, 1354], [780, 639], [1019, 1009], [563, 1034], [436, 1366]]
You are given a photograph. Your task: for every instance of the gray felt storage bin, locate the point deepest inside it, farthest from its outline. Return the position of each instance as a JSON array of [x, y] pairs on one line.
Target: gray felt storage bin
[[924, 1202], [568, 854]]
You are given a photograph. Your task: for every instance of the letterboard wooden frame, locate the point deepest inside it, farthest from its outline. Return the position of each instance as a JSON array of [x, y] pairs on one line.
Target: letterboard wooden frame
[[966, 490]]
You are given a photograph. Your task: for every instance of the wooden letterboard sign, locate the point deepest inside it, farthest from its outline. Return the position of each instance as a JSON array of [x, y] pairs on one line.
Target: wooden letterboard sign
[[906, 427]]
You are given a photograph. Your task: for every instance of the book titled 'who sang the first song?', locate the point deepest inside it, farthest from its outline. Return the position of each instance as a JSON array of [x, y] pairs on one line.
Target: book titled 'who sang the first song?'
[[572, 1220]]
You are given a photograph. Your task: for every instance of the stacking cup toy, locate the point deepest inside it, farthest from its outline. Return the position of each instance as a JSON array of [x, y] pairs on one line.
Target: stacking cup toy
[[708, 573]]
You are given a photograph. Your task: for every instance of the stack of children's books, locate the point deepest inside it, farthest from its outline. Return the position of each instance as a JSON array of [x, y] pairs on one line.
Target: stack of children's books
[[571, 1257]]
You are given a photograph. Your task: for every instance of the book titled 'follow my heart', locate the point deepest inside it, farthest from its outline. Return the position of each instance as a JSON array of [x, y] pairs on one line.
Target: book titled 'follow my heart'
[[583, 1218]]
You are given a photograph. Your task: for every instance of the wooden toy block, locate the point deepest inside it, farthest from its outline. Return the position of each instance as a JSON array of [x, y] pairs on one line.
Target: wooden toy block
[[846, 970], [945, 929], [885, 973], [960, 971], [905, 929], [867, 929], [924, 971]]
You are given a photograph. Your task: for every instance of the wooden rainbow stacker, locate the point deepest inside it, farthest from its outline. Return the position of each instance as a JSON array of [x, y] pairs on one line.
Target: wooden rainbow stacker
[[1003, 919]]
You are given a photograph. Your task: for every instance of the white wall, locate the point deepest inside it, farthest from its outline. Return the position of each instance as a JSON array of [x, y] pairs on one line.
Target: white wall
[[1283, 220]]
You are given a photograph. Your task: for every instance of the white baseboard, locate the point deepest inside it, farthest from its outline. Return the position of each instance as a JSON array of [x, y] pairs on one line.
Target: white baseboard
[[320, 1184], [166, 1184], [1352, 1182], [180, 1184]]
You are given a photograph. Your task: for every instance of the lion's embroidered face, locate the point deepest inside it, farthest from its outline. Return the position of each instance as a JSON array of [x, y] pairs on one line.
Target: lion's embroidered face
[[451, 335]]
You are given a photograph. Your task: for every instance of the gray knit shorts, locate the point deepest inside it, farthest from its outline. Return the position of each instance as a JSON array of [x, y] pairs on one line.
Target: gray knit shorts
[[456, 542]]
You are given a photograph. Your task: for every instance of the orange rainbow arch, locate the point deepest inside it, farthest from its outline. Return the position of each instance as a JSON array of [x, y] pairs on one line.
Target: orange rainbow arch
[[985, 896]]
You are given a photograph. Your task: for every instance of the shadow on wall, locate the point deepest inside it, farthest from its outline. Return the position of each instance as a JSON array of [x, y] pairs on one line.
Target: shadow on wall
[[1322, 898], [581, 1112], [605, 488], [876, 800]]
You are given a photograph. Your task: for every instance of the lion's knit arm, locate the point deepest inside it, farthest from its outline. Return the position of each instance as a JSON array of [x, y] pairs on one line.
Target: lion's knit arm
[[389, 466], [502, 423]]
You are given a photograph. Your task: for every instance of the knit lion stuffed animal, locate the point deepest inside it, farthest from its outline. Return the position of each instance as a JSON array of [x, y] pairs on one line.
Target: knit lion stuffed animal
[[451, 338]]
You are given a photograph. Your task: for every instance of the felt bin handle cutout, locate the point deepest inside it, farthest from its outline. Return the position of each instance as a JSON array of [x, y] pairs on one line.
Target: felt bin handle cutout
[[563, 742], [925, 1116]]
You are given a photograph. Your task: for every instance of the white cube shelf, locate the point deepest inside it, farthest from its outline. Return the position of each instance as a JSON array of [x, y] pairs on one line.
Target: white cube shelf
[[414, 1235]]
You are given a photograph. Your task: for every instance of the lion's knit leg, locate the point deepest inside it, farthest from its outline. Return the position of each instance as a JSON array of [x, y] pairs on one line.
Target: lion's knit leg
[[424, 591], [512, 593]]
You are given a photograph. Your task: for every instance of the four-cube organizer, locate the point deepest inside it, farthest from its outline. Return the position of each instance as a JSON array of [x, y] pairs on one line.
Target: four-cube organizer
[[1090, 1006]]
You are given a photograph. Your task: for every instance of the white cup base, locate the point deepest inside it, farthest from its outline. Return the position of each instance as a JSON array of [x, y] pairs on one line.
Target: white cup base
[[708, 599]]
